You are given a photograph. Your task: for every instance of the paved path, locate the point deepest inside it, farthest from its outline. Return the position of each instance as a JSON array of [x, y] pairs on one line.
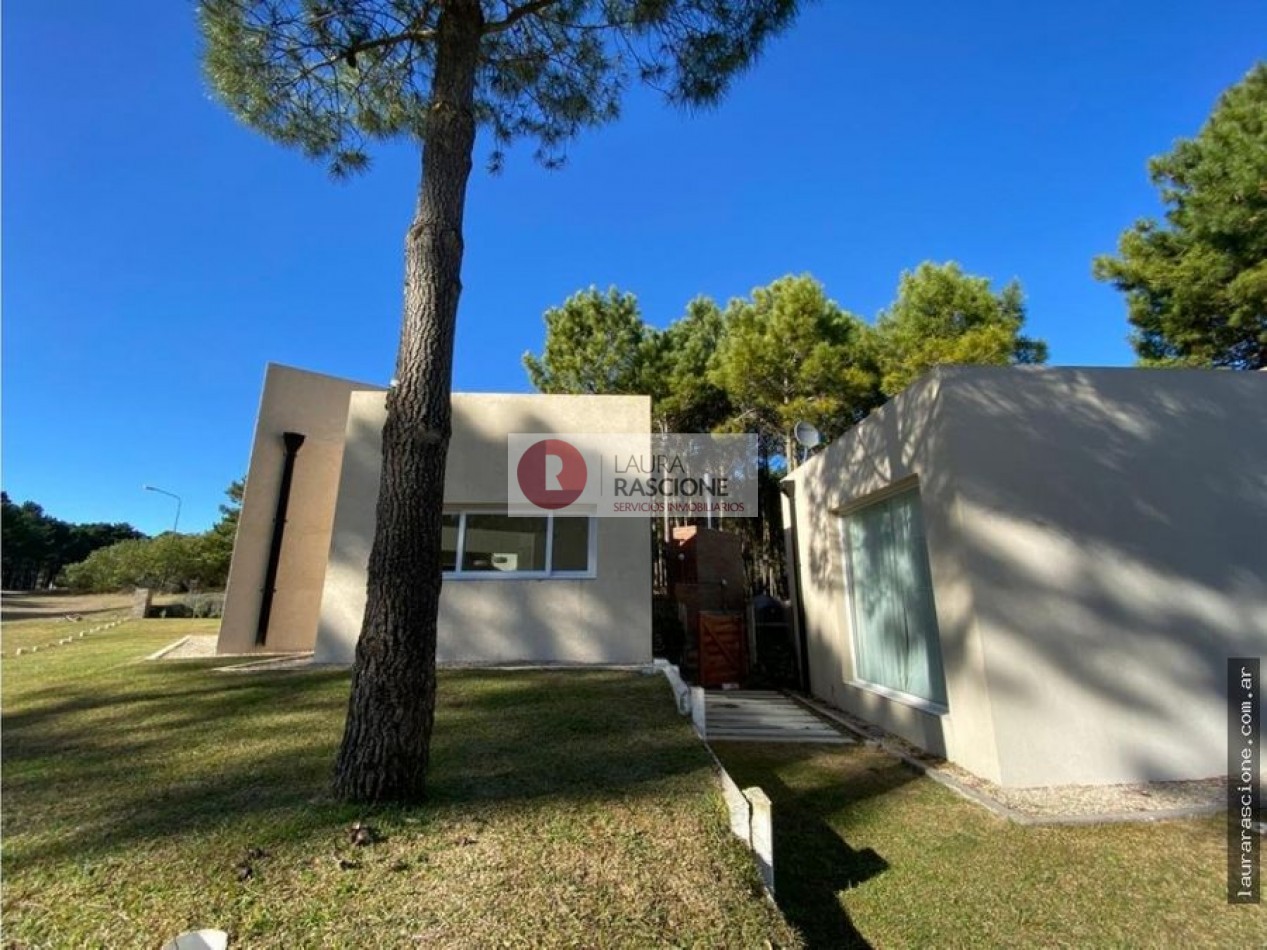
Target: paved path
[[763, 716], [194, 647]]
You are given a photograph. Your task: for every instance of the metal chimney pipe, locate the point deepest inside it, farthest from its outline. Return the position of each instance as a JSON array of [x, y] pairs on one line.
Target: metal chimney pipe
[[292, 442]]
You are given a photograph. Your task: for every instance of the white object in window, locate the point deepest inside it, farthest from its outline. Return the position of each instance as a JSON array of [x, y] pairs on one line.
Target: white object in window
[[490, 545]]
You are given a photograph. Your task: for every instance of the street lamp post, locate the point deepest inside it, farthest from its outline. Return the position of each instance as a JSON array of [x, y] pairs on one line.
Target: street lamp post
[[161, 491]]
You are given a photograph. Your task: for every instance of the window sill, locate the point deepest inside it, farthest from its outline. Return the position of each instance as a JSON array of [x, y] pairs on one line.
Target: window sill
[[906, 699]]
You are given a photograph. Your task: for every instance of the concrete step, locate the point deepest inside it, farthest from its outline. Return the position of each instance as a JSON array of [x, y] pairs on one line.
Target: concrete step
[[777, 735], [764, 716]]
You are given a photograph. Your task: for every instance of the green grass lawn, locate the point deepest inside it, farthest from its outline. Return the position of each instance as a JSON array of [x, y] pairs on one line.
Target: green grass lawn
[[47, 634], [867, 852], [567, 808]]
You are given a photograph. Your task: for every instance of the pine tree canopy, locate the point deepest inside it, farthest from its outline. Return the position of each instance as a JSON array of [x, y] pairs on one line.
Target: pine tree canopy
[[329, 76], [943, 316], [1196, 286]]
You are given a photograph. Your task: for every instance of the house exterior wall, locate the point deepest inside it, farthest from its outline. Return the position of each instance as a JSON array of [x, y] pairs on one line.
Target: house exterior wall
[[602, 619], [296, 401], [1095, 541], [1112, 525], [902, 444]]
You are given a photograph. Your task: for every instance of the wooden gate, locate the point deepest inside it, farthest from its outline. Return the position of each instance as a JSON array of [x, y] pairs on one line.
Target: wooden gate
[[723, 648]]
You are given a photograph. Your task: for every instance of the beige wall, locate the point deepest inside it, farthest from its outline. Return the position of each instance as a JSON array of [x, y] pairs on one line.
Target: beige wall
[[296, 401], [1095, 538], [899, 445], [604, 619], [1113, 525]]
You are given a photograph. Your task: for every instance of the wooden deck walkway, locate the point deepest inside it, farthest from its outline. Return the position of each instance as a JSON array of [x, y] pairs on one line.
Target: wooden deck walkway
[[763, 716]]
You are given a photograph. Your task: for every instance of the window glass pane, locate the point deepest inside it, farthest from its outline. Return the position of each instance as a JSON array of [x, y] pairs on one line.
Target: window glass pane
[[449, 542], [923, 672], [502, 543], [571, 544], [876, 628], [895, 619]]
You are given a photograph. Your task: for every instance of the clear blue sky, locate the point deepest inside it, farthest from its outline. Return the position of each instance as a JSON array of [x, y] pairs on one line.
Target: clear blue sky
[[156, 254]]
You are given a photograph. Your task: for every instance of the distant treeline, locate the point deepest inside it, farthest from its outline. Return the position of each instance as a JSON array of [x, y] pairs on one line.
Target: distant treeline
[[171, 561], [34, 546]]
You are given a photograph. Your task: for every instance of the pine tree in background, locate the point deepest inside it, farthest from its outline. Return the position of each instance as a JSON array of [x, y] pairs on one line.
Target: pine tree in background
[[35, 547], [218, 542], [595, 343], [943, 316], [598, 343], [790, 354], [1196, 286], [686, 398]]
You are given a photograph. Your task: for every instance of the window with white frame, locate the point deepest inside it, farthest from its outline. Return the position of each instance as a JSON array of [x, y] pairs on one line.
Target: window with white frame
[[896, 645], [492, 545]]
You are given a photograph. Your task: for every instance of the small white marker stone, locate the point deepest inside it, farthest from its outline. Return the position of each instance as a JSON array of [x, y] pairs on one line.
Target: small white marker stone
[[207, 939]]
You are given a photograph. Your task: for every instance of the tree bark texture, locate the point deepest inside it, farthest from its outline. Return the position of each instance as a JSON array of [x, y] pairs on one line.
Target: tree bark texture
[[387, 737]]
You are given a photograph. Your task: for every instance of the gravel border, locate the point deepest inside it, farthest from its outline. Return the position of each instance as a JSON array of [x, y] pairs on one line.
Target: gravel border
[[198, 646], [202, 646], [285, 661], [1053, 805]]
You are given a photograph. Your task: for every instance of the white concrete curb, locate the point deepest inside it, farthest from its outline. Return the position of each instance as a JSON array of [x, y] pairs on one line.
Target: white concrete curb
[[752, 822], [681, 692], [159, 654], [67, 640], [751, 812]]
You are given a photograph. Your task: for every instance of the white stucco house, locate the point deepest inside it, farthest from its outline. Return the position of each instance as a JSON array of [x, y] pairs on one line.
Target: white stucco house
[[548, 589], [1041, 573]]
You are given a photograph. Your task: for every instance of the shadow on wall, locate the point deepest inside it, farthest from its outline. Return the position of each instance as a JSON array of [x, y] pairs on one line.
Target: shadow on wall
[[1114, 521], [1111, 527], [893, 444], [885, 449]]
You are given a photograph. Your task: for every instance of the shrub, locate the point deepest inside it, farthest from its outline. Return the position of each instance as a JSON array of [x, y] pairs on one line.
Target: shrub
[[205, 605], [169, 562]]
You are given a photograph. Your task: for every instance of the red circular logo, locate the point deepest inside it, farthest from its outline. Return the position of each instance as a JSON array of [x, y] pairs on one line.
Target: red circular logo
[[551, 474]]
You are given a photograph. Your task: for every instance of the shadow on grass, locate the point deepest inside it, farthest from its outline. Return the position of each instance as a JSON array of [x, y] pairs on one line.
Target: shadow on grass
[[813, 863], [150, 751]]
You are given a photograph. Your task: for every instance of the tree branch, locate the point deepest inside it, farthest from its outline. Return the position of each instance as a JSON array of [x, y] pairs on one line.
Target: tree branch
[[515, 15], [349, 53], [391, 40]]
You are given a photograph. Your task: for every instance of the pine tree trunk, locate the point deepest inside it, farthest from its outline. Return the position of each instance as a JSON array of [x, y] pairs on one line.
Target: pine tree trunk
[[386, 740]]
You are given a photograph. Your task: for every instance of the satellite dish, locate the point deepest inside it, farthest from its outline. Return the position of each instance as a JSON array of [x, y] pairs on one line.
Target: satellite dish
[[806, 435]]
